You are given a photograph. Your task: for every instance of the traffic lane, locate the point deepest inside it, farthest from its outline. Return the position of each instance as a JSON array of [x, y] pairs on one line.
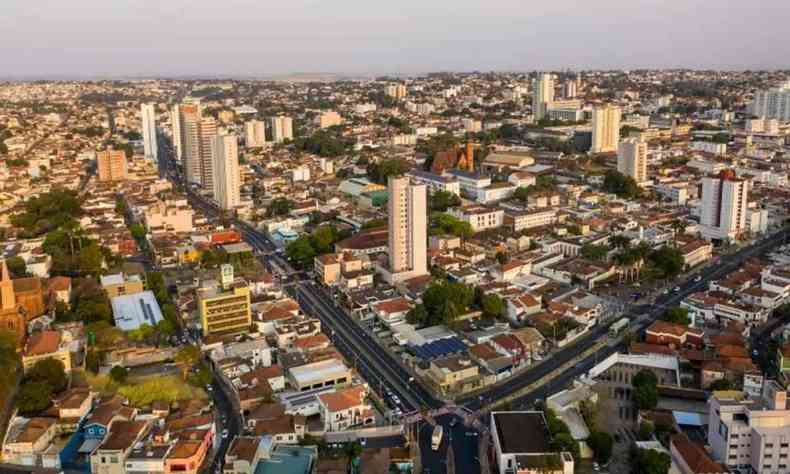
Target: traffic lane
[[465, 443], [433, 462]]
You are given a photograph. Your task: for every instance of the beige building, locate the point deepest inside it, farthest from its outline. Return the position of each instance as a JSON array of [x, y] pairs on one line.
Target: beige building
[[724, 201], [27, 438], [111, 165], [47, 345], [751, 434], [282, 128], [456, 374], [542, 95], [605, 129], [408, 229], [255, 133], [225, 308], [324, 373], [328, 119], [110, 456], [225, 174], [118, 284], [208, 131], [632, 159], [398, 91]]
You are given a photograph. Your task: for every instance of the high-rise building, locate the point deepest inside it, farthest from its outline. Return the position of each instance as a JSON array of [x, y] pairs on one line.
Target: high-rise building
[[111, 165], [175, 122], [632, 159], [397, 91], [570, 89], [605, 129], [189, 139], [773, 103], [255, 133], [225, 308], [208, 130], [327, 119], [724, 202], [282, 128], [408, 229], [149, 131], [225, 172], [542, 95]]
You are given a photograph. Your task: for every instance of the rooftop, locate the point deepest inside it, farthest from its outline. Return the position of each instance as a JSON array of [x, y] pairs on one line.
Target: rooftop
[[521, 432]]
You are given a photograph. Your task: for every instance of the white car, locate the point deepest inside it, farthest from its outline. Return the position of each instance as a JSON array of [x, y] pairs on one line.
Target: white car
[[698, 278]]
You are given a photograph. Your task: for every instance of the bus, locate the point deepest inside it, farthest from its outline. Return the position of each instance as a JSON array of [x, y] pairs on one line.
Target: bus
[[436, 437], [618, 327]]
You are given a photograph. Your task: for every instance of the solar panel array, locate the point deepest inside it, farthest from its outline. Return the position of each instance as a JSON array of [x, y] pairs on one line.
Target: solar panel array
[[148, 313], [440, 348]]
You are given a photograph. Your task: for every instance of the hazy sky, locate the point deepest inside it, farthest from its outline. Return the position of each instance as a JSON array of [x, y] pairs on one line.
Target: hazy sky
[[260, 37]]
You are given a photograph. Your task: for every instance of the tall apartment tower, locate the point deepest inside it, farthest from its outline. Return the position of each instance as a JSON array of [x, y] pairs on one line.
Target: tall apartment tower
[[255, 133], [773, 103], [148, 112], [175, 124], [397, 91], [208, 130], [632, 159], [225, 173], [282, 129], [111, 165], [605, 129], [189, 117], [542, 95], [569, 89], [408, 228], [724, 202]]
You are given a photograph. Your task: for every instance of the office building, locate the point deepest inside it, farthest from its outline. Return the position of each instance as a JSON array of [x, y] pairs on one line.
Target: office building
[[225, 173], [224, 307], [724, 201], [605, 129], [408, 229], [542, 95], [149, 131], [773, 103], [632, 159], [255, 135], [282, 129], [111, 165], [751, 434]]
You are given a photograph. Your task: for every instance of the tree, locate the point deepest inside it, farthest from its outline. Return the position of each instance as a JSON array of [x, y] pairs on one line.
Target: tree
[[301, 251], [668, 260], [33, 397], [522, 194], [279, 207], [442, 200], [601, 444], [118, 374], [50, 371], [16, 265], [502, 258], [92, 361], [493, 307], [187, 357], [721, 384], [650, 461], [137, 231], [594, 252], [417, 315], [381, 171], [645, 386], [565, 442], [623, 186], [90, 260], [678, 315], [620, 241], [646, 430]]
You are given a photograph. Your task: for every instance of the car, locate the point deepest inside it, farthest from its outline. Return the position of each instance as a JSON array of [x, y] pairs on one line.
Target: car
[[666, 292], [453, 422], [209, 388], [698, 278], [676, 289], [224, 434]]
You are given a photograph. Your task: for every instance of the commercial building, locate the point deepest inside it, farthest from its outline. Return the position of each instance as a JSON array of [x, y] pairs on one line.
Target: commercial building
[[282, 128], [111, 165], [605, 129], [325, 373], [226, 178], [224, 307], [542, 95], [255, 133], [132, 311], [148, 112], [773, 103], [724, 202], [479, 217], [522, 444], [632, 159], [408, 229], [751, 434], [118, 284]]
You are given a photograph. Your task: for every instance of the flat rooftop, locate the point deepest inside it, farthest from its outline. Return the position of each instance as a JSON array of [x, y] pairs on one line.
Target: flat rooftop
[[522, 432]]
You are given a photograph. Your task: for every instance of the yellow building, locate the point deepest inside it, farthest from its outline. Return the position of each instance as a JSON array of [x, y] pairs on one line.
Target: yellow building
[[47, 345], [225, 308]]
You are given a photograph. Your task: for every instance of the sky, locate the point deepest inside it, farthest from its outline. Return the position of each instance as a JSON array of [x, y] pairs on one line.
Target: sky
[[227, 38]]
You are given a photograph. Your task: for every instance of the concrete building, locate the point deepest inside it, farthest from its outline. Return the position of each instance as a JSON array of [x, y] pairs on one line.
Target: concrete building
[[542, 95], [724, 203], [188, 139], [436, 182], [522, 444], [224, 307], [208, 131], [327, 119], [226, 177], [255, 133], [397, 91], [632, 159], [117, 284], [111, 165], [132, 311], [479, 217], [773, 103], [408, 229], [605, 129], [751, 434], [282, 128], [325, 373], [148, 112], [47, 345]]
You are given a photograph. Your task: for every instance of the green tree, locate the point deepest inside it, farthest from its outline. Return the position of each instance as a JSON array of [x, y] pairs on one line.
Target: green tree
[[187, 357], [92, 361], [493, 306], [50, 371], [417, 315], [645, 386], [621, 185], [720, 384], [279, 207], [594, 252], [601, 444], [301, 251], [565, 442], [646, 430], [502, 257], [650, 461], [668, 260], [137, 231], [91, 260], [33, 397], [442, 200], [522, 194], [16, 265], [381, 171], [678, 315], [119, 374]]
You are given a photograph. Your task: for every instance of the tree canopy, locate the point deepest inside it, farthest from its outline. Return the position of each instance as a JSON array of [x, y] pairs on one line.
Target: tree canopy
[[379, 172], [650, 461], [441, 200], [678, 315], [645, 386], [623, 186], [47, 212]]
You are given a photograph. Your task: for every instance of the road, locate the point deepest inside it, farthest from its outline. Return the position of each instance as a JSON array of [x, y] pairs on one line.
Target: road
[[464, 442]]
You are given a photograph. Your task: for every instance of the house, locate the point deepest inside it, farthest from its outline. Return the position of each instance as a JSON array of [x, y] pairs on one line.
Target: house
[[27, 438], [511, 270], [692, 458], [392, 311], [456, 374], [242, 455], [47, 345], [74, 404], [271, 419], [522, 306], [106, 412], [189, 451], [110, 456], [345, 408], [674, 335]]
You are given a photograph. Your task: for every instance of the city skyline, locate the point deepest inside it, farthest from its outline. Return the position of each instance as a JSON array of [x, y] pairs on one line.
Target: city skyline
[[242, 39]]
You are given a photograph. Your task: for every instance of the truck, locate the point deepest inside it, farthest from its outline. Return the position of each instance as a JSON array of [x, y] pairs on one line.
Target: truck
[[436, 437]]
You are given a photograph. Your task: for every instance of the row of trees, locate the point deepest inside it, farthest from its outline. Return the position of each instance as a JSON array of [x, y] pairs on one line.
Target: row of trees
[[443, 302], [322, 240]]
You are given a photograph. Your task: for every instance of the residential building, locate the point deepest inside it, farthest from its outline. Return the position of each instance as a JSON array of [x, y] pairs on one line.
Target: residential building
[[27, 438], [345, 408], [605, 129], [479, 217], [208, 131], [110, 456], [724, 202], [148, 112], [522, 220], [397, 91], [772, 103], [542, 95], [408, 229], [225, 308], [327, 119], [632, 159], [226, 177], [188, 139], [255, 133], [522, 445], [282, 128], [714, 148], [111, 165], [43, 345], [436, 182], [118, 284], [326, 373], [690, 457]]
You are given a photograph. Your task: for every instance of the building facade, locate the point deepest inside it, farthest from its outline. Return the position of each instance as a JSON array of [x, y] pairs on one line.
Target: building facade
[[724, 203], [226, 177], [632, 159], [605, 129], [111, 165], [148, 112], [408, 227]]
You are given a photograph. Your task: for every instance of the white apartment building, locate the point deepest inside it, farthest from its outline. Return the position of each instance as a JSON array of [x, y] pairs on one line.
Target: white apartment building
[[436, 182], [398, 91], [751, 434], [327, 119], [718, 149], [472, 125], [408, 229], [764, 126], [479, 217], [773, 103], [495, 192], [521, 220], [282, 128], [255, 133], [632, 159], [542, 95], [227, 180], [148, 112], [605, 129], [724, 202]]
